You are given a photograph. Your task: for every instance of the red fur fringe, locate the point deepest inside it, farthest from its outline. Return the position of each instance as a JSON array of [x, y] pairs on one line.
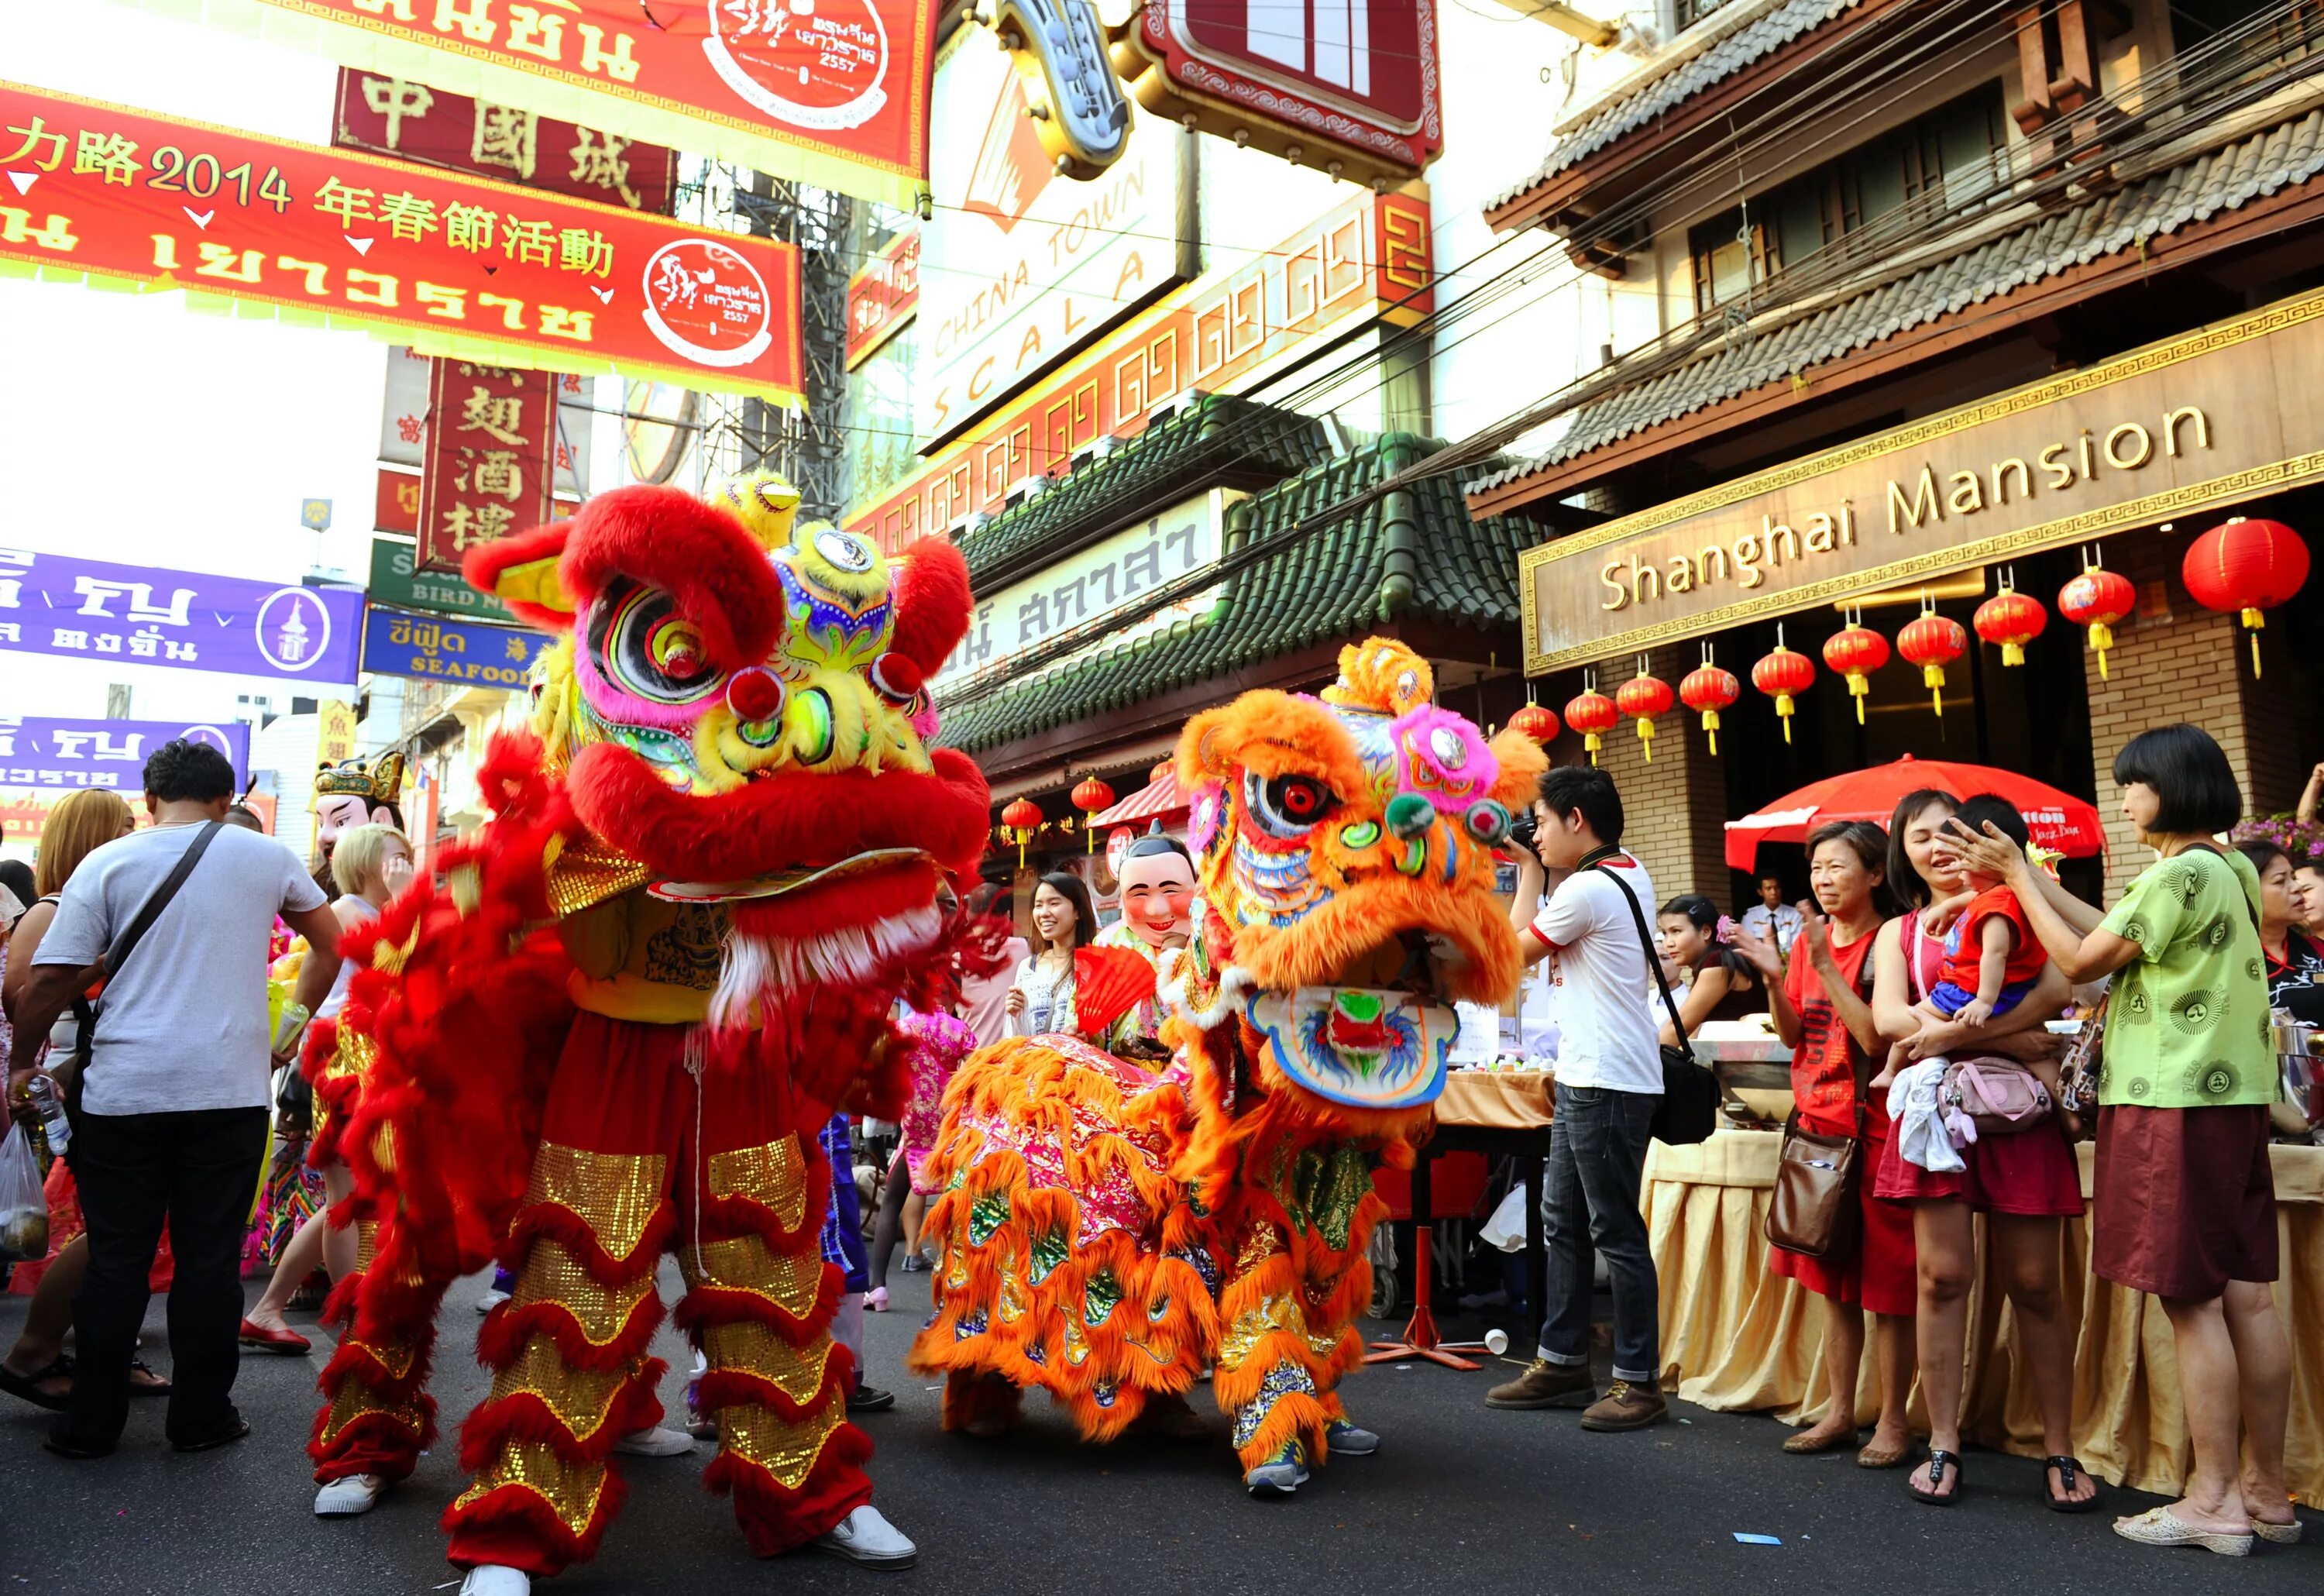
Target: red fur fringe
[[696, 552], [513, 1521], [555, 1221], [374, 1444], [524, 1416], [775, 1520], [505, 1330], [932, 603], [733, 1387]]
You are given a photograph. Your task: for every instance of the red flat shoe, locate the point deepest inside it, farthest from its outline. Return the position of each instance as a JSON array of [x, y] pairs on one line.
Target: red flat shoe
[[289, 1343]]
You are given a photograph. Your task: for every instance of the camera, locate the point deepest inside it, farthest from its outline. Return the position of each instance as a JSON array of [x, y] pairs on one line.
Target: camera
[[1523, 826]]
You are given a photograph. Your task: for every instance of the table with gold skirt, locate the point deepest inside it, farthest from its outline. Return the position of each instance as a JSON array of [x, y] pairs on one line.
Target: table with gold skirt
[[1735, 1336]]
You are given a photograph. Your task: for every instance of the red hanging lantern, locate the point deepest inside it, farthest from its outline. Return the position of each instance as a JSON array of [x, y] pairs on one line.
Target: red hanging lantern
[[1089, 797], [2011, 619], [1645, 697], [1932, 642], [1591, 714], [1024, 819], [1856, 652], [2248, 564], [1537, 723], [1708, 689], [1783, 676], [2097, 599]]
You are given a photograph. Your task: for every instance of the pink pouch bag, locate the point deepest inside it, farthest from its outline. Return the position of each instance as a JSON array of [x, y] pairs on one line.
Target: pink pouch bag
[[1999, 1097]]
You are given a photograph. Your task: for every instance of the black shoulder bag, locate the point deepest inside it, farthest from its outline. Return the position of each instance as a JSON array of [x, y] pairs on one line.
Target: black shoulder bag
[[1689, 1111], [89, 1012]]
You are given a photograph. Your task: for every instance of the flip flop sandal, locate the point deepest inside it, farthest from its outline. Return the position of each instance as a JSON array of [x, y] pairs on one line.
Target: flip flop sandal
[[2068, 1468], [28, 1386], [1939, 1462], [2157, 1527], [159, 1387]]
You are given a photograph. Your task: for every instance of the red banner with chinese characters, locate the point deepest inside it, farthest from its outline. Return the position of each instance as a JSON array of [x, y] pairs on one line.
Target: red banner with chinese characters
[[492, 434], [883, 297], [828, 92], [453, 266], [412, 122], [395, 505]]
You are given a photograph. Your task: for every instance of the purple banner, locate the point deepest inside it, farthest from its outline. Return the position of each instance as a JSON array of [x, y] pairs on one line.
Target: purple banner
[[35, 753], [86, 609]]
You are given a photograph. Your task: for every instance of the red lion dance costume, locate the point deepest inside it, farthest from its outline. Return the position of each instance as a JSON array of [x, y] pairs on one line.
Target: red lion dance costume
[[1107, 1233], [614, 1028]]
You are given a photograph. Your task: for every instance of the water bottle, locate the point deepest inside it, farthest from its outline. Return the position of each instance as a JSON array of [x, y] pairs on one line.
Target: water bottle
[[42, 1091]]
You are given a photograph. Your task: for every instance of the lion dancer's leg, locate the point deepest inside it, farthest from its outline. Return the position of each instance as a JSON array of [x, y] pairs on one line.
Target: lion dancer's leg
[[568, 1349], [761, 1302], [377, 1417]]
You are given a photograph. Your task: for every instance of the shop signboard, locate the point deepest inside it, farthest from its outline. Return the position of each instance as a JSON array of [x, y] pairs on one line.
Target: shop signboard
[[335, 731], [436, 649], [395, 503], [1080, 595], [391, 116], [1023, 264], [404, 425], [447, 262], [491, 435], [398, 581], [35, 752], [2195, 423], [1367, 255], [883, 297], [1348, 85], [834, 93], [25, 812], [88, 609]]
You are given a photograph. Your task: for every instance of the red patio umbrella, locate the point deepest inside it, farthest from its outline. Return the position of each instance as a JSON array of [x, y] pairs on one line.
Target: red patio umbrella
[[2064, 825]]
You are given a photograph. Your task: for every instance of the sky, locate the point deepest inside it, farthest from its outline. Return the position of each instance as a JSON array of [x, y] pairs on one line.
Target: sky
[[133, 431]]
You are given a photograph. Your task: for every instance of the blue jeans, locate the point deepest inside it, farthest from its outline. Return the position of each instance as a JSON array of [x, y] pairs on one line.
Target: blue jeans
[[1590, 1200]]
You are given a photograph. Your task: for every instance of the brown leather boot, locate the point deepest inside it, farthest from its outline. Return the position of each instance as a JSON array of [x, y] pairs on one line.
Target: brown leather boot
[[1628, 1405], [1546, 1385]]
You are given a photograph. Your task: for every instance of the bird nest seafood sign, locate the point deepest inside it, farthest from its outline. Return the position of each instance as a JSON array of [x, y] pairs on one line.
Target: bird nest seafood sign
[[707, 303]]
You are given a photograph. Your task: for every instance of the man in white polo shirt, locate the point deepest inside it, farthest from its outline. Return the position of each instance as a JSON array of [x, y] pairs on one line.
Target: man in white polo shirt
[[1610, 1082]]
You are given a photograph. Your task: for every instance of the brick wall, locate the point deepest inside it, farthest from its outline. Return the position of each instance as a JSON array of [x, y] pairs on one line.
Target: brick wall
[[1674, 809]]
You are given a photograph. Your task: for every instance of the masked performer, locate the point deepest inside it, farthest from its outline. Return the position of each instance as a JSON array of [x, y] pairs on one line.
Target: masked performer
[[617, 1026], [1108, 1230]]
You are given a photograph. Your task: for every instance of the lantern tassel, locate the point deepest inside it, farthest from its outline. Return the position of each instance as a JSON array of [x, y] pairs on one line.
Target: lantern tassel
[[1646, 737], [1711, 727]]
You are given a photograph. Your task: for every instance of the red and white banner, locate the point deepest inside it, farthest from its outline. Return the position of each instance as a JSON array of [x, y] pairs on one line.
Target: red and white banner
[[1349, 86], [412, 122], [454, 265], [491, 436], [829, 92], [883, 297]]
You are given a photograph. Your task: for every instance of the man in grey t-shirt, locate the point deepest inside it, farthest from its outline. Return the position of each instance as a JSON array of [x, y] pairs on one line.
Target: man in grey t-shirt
[[171, 1117]]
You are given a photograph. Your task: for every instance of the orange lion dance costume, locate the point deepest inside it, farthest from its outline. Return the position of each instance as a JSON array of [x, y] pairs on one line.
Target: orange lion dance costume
[[1108, 1232], [615, 1026]]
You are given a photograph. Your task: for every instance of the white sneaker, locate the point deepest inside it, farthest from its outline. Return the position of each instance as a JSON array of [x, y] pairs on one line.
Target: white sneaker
[[344, 1499], [491, 1298], [492, 1579], [862, 1536], [655, 1443]]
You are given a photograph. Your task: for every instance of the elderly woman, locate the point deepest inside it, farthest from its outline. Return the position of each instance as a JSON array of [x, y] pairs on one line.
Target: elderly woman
[[1819, 1011], [2025, 1184], [2185, 1204]]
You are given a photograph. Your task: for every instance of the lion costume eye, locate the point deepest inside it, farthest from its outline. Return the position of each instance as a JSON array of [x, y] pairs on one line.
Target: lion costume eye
[[644, 647], [1286, 806]]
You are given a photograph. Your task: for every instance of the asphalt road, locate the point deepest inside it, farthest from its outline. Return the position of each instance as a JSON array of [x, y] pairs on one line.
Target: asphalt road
[[1460, 1498]]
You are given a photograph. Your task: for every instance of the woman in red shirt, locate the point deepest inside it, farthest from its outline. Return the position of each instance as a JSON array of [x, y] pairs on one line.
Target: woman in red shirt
[[1820, 1010]]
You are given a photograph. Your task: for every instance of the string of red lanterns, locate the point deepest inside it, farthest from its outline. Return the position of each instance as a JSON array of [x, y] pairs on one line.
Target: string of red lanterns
[[2011, 619]]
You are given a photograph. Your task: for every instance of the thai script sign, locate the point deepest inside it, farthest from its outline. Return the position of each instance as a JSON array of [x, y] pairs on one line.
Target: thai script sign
[[398, 581], [397, 645], [43, 752], [50, 604]]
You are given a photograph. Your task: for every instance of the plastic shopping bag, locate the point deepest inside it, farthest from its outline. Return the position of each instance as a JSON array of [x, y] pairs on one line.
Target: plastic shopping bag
[[23, 1210], [1507, 1229]]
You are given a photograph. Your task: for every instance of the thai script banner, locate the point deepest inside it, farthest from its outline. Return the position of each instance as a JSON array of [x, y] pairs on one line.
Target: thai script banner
[[88, 609], [397, 645], [833, 93], [42, 752], [451, 265]]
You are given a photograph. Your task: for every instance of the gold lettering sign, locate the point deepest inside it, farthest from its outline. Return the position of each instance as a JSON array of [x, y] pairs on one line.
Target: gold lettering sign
[[2208, 419]]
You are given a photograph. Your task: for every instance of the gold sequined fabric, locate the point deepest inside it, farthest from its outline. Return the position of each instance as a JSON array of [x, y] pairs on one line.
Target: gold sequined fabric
[[616, 1193], [1259, 1243], [773, 1173], [745, 1263], [588, 872], [356, 1401], [787, 1451], [366, 1243], [749, 1347], [581, 1399], [571, 1490], [552, 1274], [395, 1357], [1279, 1312]]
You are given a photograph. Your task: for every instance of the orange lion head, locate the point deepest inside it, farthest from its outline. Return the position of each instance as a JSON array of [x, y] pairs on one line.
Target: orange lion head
[[1345, 851], [739, 702]]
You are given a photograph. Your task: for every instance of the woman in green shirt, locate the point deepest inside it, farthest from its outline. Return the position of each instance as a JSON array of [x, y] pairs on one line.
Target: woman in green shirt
[[2185, 1198]]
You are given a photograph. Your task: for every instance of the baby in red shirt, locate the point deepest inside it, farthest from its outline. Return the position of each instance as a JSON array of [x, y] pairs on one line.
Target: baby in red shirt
[[1992, 957]]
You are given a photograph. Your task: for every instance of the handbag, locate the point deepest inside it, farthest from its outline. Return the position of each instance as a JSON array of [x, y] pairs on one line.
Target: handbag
[[1814, 1210], [1999, 1097], [1689, 1111]]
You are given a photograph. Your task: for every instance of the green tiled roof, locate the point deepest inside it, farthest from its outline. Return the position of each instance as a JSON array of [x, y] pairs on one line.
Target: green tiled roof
[[1322, 588], [1215, 440]]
